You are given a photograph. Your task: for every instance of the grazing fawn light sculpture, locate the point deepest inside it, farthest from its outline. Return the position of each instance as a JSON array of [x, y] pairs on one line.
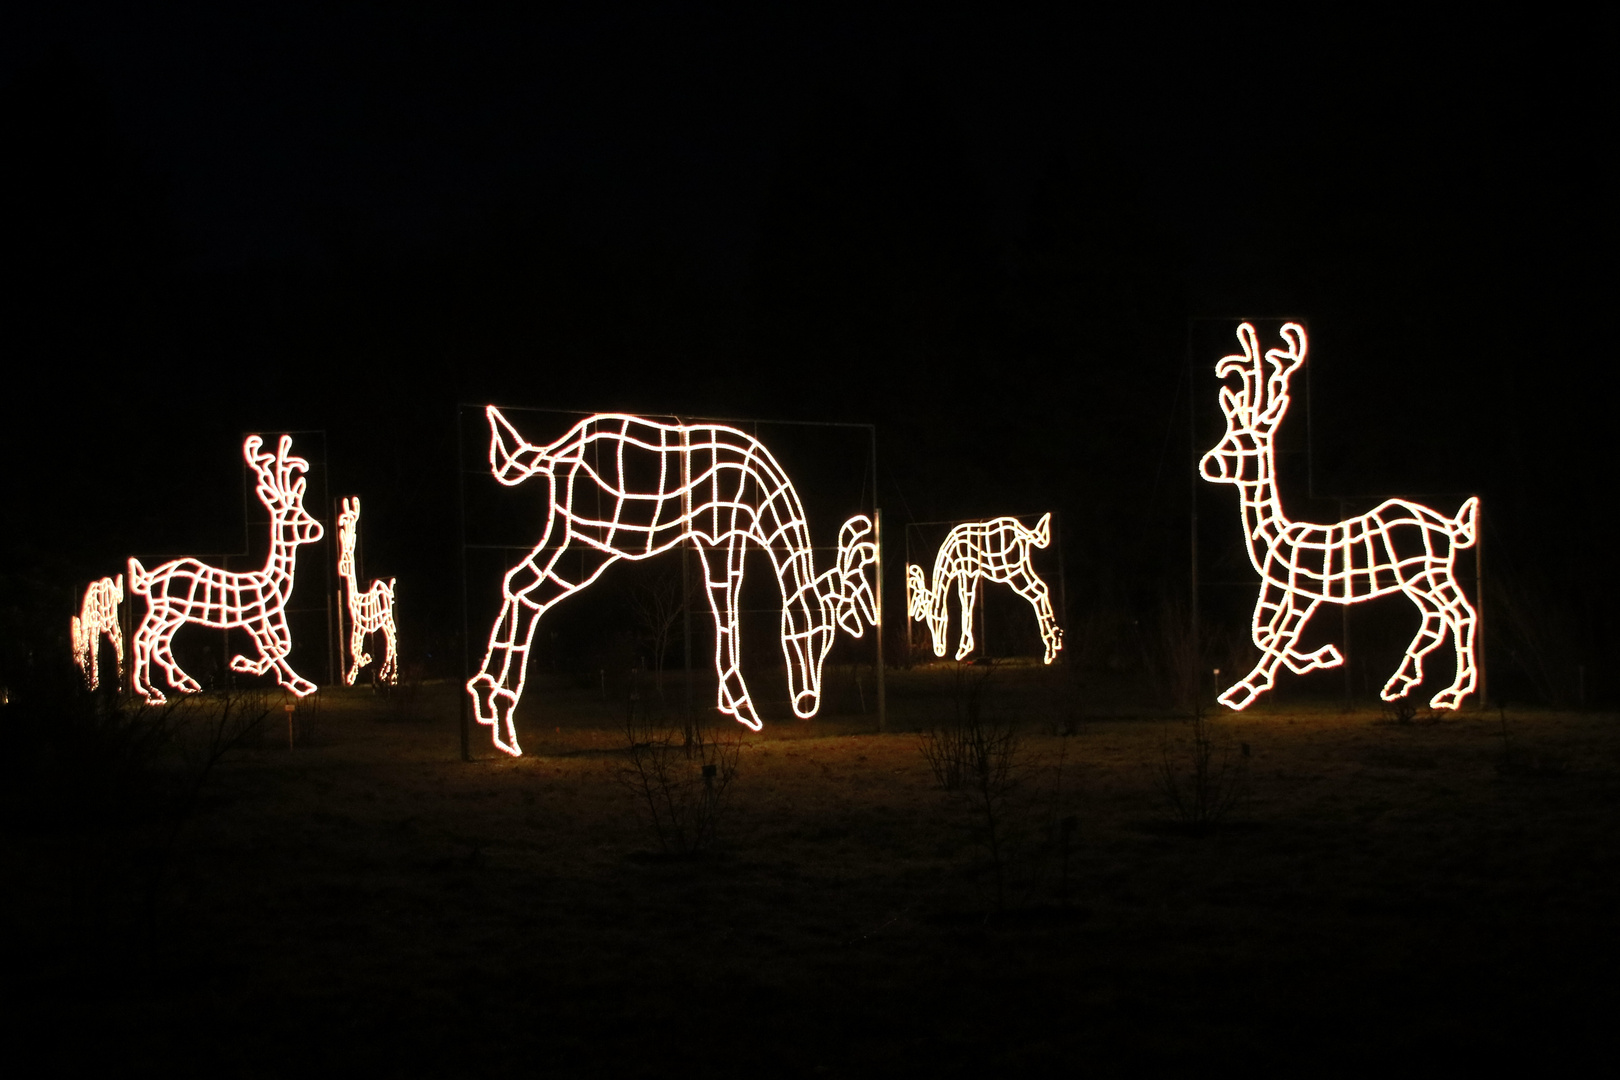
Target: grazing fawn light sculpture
[[99, 615], [660, 485], [371, 611], [1399, 547], [188, 591], [996, 550]]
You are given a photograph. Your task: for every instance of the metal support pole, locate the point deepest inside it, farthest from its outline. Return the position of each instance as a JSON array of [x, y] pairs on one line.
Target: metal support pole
[[882, 685], [1063, 578], [461, 504], [1479, 603]]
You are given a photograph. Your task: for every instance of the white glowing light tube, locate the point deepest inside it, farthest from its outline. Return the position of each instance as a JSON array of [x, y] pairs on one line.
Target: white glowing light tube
[[187, 591], [98, 615], [659, 485], [370, 612], [1400, 546], [996, 550]]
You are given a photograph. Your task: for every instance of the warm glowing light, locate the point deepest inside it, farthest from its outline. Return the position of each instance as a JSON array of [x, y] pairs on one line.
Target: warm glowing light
[[370, 612], [187, 591], [1399, 547], [98, 615], [658, 485], [995, 550]]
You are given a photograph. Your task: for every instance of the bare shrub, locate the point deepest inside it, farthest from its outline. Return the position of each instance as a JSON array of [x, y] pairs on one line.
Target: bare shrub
[[680, 784], [1201, 775], [979, 757]]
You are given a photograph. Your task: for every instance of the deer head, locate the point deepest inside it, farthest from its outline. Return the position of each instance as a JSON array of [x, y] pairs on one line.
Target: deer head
[[1255, 408], [281, 493]]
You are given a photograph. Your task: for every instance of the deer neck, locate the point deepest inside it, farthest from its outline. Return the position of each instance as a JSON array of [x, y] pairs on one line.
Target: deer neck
[[278, 566], [1263, 518]]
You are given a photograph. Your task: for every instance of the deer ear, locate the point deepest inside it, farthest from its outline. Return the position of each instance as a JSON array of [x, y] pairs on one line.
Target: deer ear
[[1273, 415], [1229, 403]]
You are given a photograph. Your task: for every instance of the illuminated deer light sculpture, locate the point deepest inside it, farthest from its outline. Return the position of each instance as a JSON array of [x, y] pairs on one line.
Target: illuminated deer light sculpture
[[98, 615], [995, 550], [661, 485], [370, 612], [1400, 546], [188, 591]]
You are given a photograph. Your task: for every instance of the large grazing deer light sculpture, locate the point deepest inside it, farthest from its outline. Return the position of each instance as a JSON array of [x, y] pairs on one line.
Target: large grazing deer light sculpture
[[1399, 547], [661, 485], [188, 591], [370, 612], [99, 615], [995, 550]]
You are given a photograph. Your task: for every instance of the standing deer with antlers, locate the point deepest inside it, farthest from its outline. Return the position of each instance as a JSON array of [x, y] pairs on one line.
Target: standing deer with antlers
[[99, 615], [659, 485], [188, 591], [371, 611], [995, 550], [1400, 546]]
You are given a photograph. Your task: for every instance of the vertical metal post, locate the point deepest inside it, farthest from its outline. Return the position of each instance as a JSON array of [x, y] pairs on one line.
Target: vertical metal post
[[1192, 504], [877, 525], [909, 645], [466, 673], [1063, 579], [882, 686], [1344, 628], [686, 571], [1479, 603], [326, 497]]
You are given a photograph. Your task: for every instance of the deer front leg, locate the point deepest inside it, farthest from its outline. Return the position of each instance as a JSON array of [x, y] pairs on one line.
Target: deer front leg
[[967, 592], [732, 695], [1278, 620], [1033, 589], [274, 640]]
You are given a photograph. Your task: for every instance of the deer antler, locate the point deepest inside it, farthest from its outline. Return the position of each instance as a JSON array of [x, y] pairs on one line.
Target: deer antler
[[1247, 402], [1284, 362]]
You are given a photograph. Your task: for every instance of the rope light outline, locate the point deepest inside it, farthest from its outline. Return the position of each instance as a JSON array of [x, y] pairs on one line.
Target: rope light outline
[[718, 487], [187, 590], [995, 550], [98, 615], [1399, 546], [370, 612]]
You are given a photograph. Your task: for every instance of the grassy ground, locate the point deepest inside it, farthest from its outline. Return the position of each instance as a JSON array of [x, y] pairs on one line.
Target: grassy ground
[[1384, 895]]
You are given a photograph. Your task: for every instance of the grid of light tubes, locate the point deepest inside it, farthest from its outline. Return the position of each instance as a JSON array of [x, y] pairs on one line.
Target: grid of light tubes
[[717, 487], [188, 591], [1400, 546], [996, 550], [99, 615], [370, 612]]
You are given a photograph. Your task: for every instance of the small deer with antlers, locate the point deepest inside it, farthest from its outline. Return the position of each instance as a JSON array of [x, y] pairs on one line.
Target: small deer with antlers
[[995, 550], [370, 612], [187, 591], [99, 615], [1400, 546]]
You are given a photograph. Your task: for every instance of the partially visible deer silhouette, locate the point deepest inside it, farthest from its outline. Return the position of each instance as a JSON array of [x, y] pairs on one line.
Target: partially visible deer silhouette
[[371, 611], [996, 550], [661, 485], [1400, 547], [99, 615], [187, 591]]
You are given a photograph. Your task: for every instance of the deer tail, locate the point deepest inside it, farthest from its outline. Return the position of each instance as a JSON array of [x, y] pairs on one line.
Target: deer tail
[[1465, 526], [139, 579]]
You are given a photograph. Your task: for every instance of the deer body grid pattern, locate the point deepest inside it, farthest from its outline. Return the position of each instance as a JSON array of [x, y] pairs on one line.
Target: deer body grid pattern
[[624, 487], [996, 550], [99, 615], [1400, 546], [370, 612], [189, 591]]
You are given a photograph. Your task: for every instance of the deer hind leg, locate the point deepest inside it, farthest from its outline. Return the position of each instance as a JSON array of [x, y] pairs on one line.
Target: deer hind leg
[[1444, 609], [1278, 620], [530, 592], [388, 675], [1033, 589], [732, 696], [357, 651], [967, 592]]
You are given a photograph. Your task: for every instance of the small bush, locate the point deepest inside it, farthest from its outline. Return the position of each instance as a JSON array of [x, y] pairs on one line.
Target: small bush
[[1204, 779], [680, 776]]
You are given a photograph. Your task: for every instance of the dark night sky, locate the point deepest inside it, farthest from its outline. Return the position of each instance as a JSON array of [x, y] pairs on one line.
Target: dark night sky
[[987, 234]]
